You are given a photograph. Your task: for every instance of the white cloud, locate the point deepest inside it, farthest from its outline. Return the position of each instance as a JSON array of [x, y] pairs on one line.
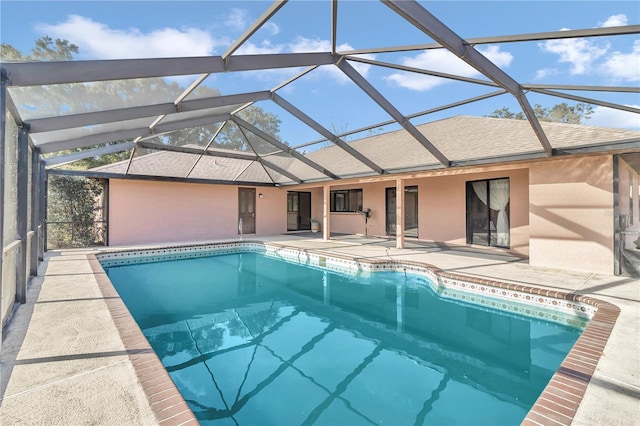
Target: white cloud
[[615, 21], [99, 41], [580, 53], [264, 48], [298, 45], [271, 28], [624, 66], [305, 45], [302, 44], [493, 53], [583, 54], [545, 72], [237, 19], [608, 117], [443, 61]]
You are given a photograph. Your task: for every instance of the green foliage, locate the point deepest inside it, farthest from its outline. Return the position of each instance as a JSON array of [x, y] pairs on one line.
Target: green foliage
[[231, 136], [9, 53], [504, 112], [73, 199], [73, 203], [559, 113], [46, 49], [101, 160], [62, 99]]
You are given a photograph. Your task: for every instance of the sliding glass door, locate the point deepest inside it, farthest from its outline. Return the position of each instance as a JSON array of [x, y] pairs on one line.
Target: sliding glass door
[[298, 211], [488, 212], [410, 211]]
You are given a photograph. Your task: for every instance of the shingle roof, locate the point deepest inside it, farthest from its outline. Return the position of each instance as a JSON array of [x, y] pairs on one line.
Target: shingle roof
[[460, 138]]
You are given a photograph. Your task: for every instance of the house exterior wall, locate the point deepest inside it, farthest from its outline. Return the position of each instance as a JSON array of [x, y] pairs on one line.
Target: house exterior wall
[[353, 223], [571, 214], [143, 212], [442, 204], [441, 208], [561, 210]]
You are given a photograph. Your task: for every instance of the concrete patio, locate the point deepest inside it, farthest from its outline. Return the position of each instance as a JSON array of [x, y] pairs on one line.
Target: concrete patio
[[64, 362]]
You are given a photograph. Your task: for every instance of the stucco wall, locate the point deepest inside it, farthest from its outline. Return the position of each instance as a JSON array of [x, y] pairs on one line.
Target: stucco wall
[[561, 211], [441, 208], [571, 214], [143, 212]]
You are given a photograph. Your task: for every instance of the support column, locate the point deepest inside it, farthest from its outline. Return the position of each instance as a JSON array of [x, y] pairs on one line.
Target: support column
[[42, 211], [617, 232], [35, 208], [326, 212], [4, 80], [22, 195], [399, 213]]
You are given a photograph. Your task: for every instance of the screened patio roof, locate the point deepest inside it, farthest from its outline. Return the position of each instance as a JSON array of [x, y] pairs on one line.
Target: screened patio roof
[[178, 135]]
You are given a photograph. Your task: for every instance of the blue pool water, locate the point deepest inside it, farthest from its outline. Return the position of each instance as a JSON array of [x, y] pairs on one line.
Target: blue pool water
[[253, 340]]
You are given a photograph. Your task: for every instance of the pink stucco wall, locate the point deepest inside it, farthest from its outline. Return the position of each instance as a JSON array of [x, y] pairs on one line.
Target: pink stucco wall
[[571, 214], [353, 223], [142, 212], [561, 211], [441, 208]]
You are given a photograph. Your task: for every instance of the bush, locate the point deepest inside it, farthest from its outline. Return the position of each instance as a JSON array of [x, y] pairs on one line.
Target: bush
[[73, 208]]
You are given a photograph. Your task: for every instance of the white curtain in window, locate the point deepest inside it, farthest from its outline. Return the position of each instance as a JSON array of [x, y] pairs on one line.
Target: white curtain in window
[[499, 198]]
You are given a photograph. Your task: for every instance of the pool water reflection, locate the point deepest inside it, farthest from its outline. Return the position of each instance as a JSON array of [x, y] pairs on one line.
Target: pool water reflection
[[249, 339]]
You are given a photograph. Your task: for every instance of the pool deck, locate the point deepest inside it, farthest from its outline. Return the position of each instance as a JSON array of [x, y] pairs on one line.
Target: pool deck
[[66, 359]]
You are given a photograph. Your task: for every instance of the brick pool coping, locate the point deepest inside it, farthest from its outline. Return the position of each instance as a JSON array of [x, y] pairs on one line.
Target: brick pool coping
[[166, 402], [556, 405]]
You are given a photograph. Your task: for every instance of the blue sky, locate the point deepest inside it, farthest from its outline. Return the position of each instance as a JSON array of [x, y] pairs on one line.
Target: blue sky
[[119, 29]]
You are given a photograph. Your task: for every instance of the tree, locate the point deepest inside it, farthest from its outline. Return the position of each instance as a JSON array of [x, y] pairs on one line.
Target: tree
[[74, 202], [72, 209], [559, 113], [231, 136], [85, 97], [46, 49]]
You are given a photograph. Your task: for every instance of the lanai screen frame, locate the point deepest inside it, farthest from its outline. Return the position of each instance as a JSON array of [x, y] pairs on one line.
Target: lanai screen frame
[[48, 73], [31, 187]]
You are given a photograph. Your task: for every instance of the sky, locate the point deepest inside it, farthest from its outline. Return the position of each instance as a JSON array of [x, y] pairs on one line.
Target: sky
[[129, 29]]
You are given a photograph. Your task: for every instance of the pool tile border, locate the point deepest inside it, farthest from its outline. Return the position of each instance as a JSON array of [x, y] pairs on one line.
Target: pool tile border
[[512, 298], [557, 405], [166, 402]]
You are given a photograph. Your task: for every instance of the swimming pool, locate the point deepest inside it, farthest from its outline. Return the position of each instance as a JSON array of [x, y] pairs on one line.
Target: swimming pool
[[324, 347]]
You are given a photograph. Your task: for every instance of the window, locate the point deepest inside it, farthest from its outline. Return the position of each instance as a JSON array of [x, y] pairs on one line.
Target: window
[[488, 212], [347, 200]]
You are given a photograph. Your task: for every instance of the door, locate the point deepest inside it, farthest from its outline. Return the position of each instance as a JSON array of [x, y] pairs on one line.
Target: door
[[488, 212], [390, 202], [298, 211], [246, 211], [410, 211], [626, 172], [305, 211]]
